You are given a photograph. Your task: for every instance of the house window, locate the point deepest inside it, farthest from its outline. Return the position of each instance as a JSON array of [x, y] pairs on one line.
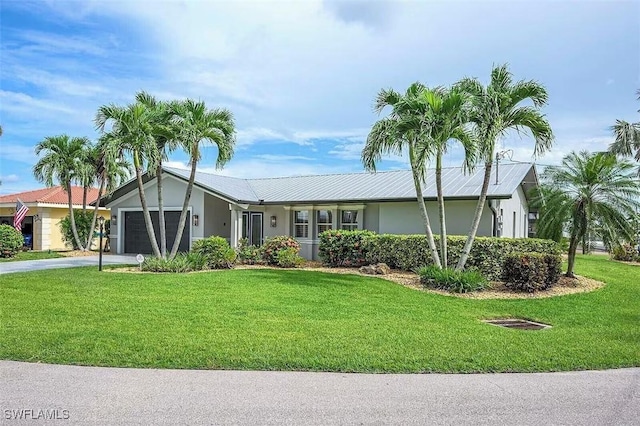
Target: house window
[[349, 220], [301, 223], [324, 220]]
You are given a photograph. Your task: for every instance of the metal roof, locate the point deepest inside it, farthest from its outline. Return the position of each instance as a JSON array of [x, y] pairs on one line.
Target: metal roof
[[380, 186]]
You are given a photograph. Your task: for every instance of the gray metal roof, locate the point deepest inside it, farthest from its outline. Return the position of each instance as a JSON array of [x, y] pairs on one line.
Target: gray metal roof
[[388, 185]]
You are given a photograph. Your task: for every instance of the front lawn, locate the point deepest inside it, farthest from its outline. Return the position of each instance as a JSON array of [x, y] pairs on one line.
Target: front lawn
[[31, 255], [303, 320]]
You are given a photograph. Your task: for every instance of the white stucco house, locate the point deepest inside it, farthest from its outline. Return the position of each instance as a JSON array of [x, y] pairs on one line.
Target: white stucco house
[[304, 206]]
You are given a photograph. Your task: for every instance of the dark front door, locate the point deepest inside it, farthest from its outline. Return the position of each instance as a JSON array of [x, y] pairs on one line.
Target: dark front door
[[252, 227], [136, 239]]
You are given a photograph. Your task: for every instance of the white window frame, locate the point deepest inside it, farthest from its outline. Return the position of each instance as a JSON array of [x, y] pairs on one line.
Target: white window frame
[[305, 225], [349, 226], [327, 225]]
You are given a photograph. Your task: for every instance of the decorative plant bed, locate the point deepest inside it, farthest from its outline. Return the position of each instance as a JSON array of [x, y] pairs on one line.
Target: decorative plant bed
[[520, 324]]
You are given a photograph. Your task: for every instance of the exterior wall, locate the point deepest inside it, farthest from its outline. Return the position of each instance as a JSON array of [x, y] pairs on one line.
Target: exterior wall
[[217, 217], [405, 218], [372, 217], [515, 205], [173, 191]]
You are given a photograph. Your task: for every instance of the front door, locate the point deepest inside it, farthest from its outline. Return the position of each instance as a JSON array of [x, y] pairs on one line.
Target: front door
[[252, 227]]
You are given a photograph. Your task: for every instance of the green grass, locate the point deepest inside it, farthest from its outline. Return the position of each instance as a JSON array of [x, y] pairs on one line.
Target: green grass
[[31, 255], [303, 320]]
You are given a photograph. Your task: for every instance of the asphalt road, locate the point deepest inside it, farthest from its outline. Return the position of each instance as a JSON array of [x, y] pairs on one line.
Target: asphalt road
[[64, 262], [94, 395]]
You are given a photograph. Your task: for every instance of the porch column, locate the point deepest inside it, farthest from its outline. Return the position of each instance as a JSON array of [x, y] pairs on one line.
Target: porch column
[[236, 224]]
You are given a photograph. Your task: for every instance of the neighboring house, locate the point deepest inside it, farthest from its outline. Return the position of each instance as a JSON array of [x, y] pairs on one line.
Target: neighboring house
[[47, 207], [304, 206]]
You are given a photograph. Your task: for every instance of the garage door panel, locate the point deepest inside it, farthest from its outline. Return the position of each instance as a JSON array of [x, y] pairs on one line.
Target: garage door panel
[[136, 239]]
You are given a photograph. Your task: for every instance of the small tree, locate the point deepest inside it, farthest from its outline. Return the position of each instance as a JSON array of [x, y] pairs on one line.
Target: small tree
[[84, 228], [11, 241]]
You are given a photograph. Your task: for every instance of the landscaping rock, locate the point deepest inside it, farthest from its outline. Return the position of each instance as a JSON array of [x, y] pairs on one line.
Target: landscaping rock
[[377, 269]]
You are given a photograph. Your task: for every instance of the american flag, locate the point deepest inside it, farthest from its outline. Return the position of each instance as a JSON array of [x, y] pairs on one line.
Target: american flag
[[21, 213]]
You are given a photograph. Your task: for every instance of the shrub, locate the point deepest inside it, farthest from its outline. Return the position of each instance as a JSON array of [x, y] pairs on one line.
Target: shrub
[[343, 248], [11, 241], [554, 269], [83, 226], [625, 252], [272, 246], [216, 251], [196, 261], [451, 280], [409, 252], [289, 258], [525, 272], [183, 262], [249, 254]]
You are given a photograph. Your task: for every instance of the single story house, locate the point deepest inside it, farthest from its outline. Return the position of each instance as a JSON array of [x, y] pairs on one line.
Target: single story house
[[304, 206], [47, 206]]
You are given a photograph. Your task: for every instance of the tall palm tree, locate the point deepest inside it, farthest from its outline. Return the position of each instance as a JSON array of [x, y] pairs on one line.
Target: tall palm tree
[[60, 163], [132, 134], [403, 130], [627, 139], [164, 135], [111, 172], [443, 115], [495, 110], [198, 124], [588, 189], [86, 173]]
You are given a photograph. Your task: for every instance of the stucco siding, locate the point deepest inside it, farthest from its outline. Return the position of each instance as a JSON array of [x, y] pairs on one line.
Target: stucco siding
[[217, 217], [405, 218], [372, 217], [515, 211]]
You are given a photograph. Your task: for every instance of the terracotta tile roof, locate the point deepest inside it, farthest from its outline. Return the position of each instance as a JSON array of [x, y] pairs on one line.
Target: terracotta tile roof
[[53, 195]]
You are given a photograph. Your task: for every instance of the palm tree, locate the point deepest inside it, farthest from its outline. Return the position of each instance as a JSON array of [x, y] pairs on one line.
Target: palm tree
[[443, 115], [627, 139], [110, 172], [588, 189], [403, 130], [495, 110], [86, 173], [60, 163], [133, 134], [196, 124]]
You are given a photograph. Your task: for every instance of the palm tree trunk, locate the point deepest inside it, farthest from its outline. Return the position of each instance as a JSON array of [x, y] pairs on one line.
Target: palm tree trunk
[[443, 225], [85, 189], [185, 207], [573, 246], [72, 218], [145, 208], [423, 210], [476, 218], [163, 228], [95, 214]]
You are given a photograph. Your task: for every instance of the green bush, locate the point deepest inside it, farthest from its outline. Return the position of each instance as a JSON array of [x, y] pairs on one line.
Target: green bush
[[625, 252], [554, 269], [11, 241], [272, 246], [409, 252], [451, 280], [83, 226], [183, 262], [343, 248], [217, 252], [249, 254], [289, 258], [525, 272]]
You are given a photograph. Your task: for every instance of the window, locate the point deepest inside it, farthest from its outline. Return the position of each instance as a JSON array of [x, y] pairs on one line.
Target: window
[[301, 223], [349, 220], [324, 220]]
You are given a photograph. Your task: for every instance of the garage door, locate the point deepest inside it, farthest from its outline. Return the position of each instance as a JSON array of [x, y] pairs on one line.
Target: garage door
[[136, 239]]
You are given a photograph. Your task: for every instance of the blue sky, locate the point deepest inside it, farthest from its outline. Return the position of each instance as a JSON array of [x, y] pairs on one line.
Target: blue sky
[[301, 76]]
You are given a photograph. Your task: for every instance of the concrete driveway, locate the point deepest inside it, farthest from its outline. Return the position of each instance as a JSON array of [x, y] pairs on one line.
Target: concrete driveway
[[65, 262], [93, 395]]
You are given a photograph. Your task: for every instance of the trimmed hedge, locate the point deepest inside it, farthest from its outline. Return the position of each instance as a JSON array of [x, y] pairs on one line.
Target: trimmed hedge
[[274, 245], [410, 252], [343, 248], [11, 241], [531, 271]]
